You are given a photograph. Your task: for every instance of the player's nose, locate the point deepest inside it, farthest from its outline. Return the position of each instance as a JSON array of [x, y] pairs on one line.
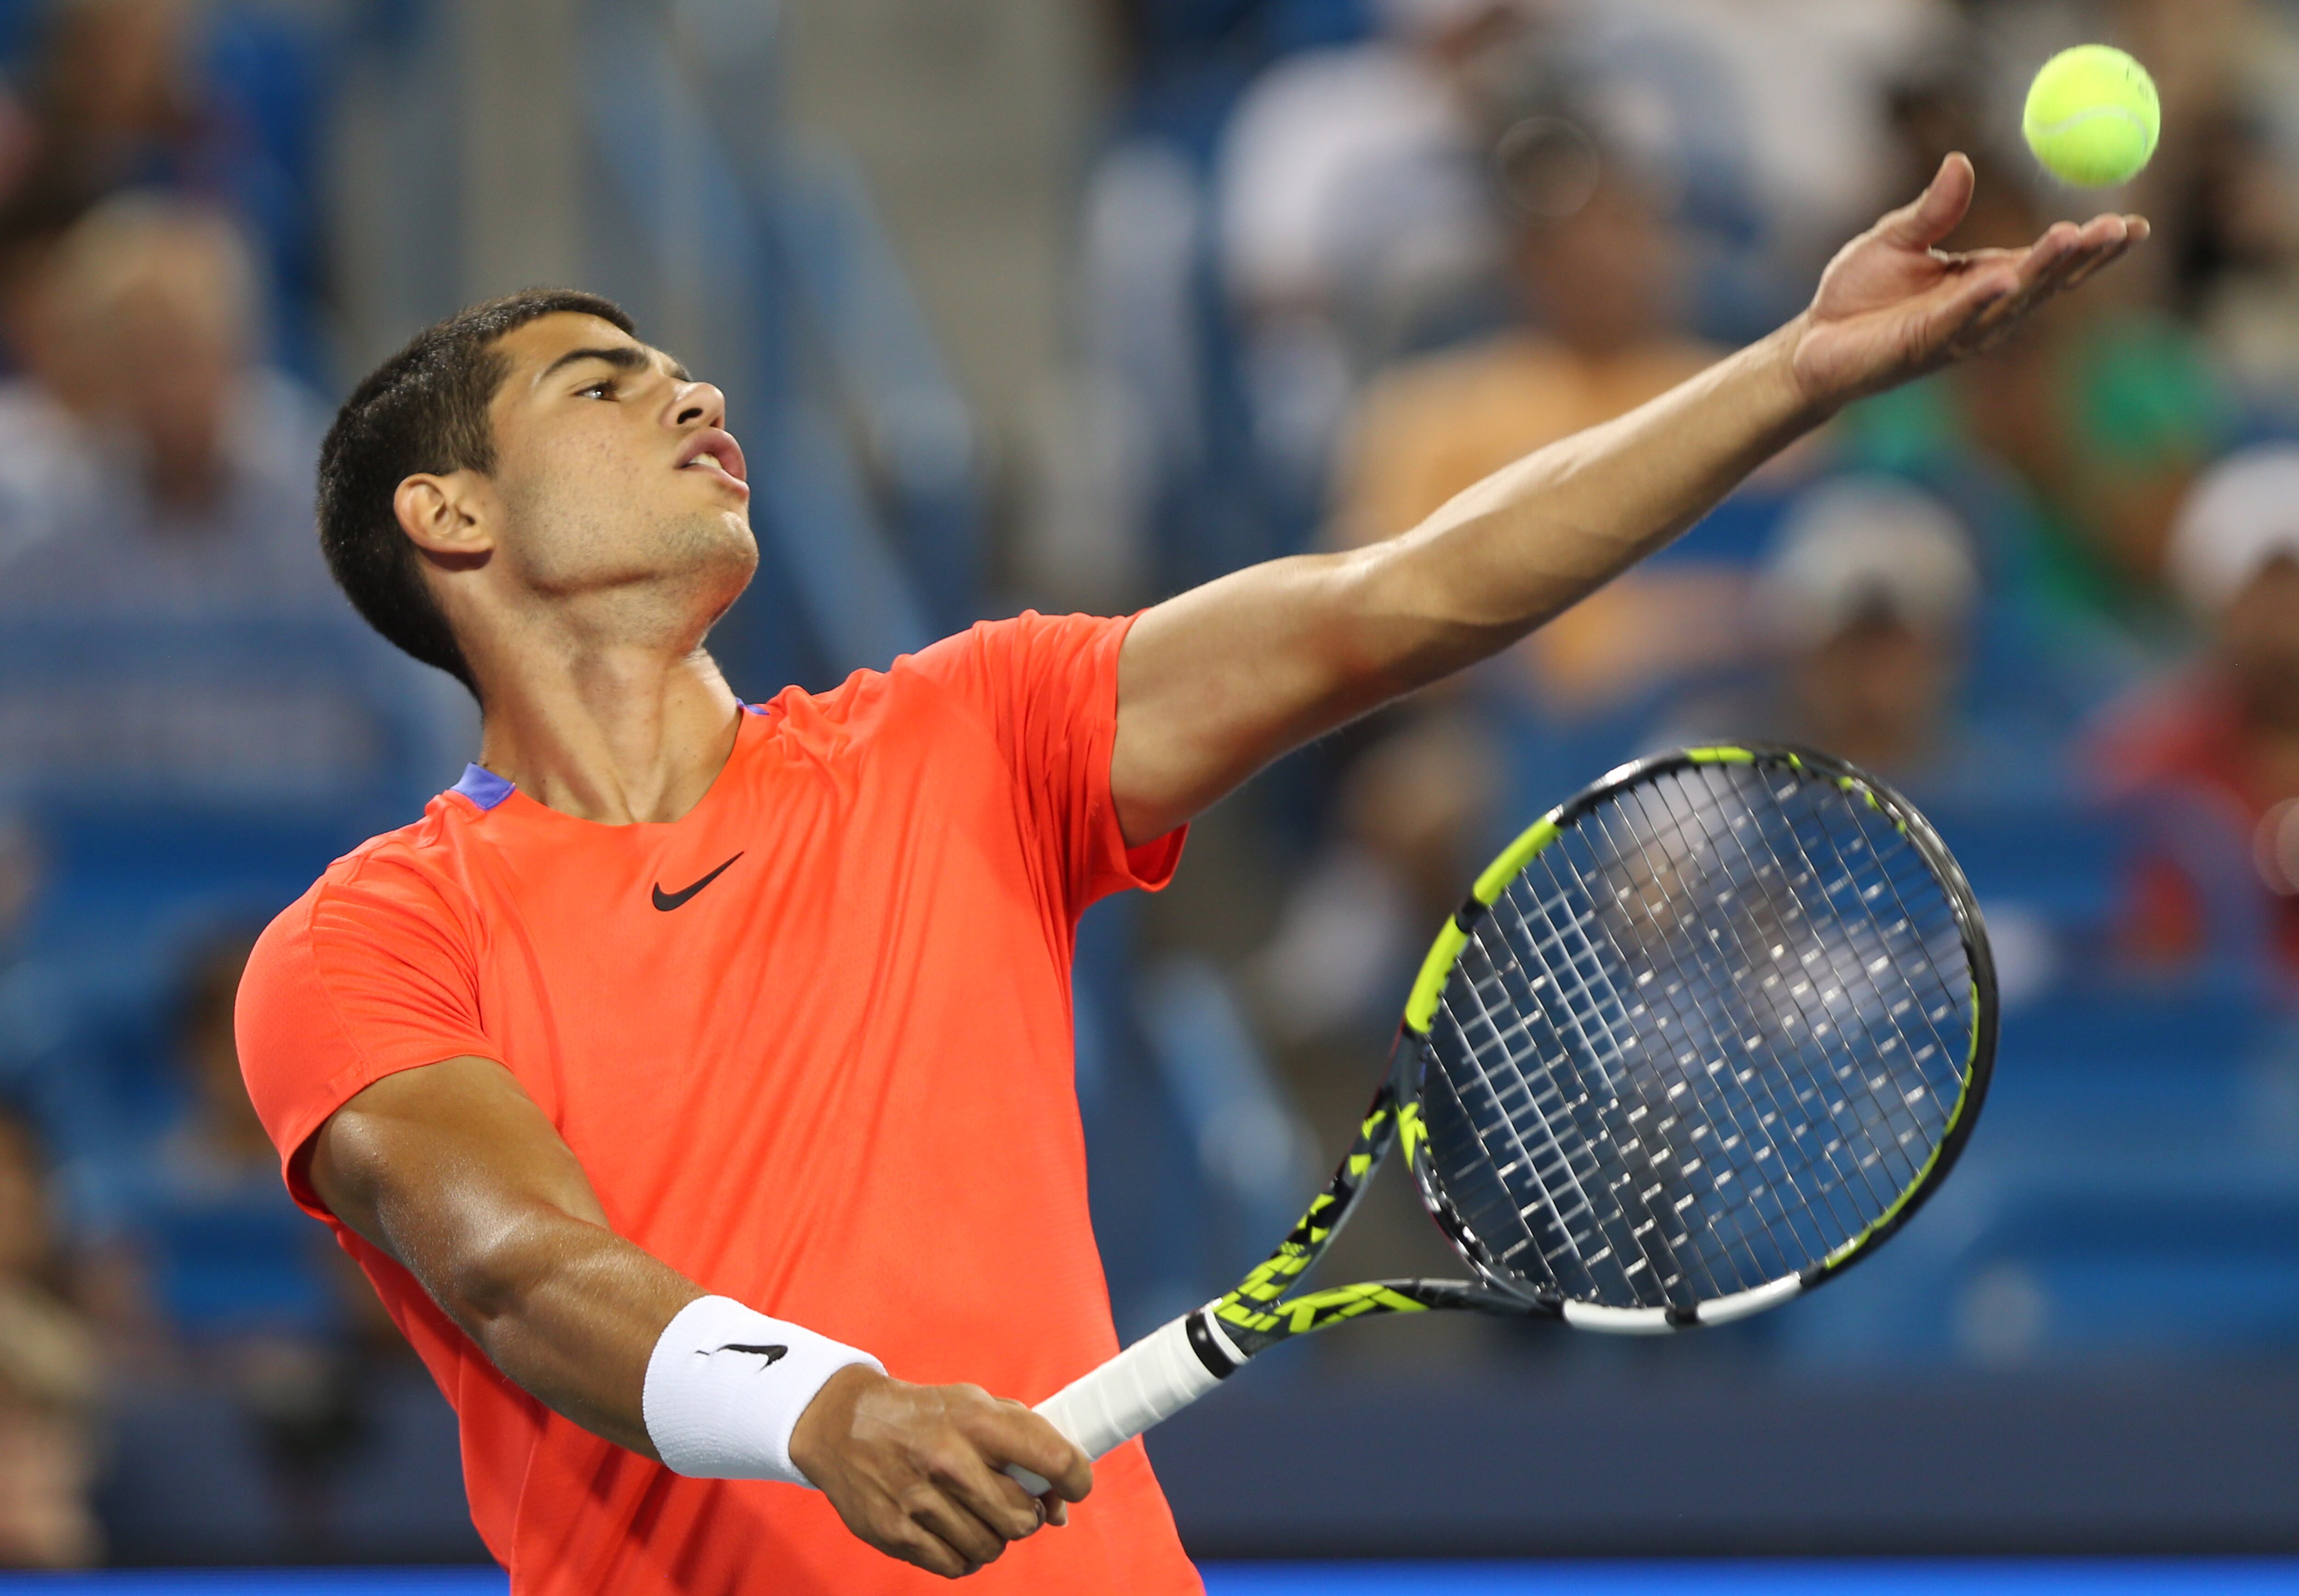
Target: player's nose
[[698, 404]]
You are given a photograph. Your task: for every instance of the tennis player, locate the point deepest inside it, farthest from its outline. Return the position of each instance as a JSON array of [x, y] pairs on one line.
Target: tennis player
[[693, 1080]]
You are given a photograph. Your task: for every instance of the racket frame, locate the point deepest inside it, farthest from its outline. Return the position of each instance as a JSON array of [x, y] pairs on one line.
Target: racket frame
[[1256, 1313]]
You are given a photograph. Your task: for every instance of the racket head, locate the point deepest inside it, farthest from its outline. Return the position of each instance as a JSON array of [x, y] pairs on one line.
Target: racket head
[[1701, 1038]]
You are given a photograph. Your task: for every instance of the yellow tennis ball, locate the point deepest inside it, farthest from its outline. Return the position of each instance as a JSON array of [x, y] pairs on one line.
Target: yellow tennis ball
[[2092, 116]]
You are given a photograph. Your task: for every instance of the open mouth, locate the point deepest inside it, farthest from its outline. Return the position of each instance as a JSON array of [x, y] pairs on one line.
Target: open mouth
[[714, 450]]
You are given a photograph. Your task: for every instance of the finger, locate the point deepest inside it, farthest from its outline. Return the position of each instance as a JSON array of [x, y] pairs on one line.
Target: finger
[[2058, 242], [927, 1551], [1009, 1433], [955, 1527], [2037, 273], [2091, 266], [2068, 261], [1010, 1512], [1933, 214], [2117, 232], [2087, 245]]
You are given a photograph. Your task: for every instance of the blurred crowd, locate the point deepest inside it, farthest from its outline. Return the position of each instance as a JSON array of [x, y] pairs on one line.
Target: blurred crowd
[[192, 721], [1336, 260]]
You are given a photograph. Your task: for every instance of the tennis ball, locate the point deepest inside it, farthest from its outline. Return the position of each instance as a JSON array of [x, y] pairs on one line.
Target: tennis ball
[[2092, 116]]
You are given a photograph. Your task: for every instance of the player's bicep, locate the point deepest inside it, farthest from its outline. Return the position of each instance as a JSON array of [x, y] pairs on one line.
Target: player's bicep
[[440, 1166], [1216, 682]]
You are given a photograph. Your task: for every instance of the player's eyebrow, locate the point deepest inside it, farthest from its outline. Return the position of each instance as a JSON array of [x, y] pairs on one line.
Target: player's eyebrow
[[622, 357]]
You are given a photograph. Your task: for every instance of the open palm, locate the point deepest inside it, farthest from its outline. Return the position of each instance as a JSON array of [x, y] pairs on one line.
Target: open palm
[[1891, 306]]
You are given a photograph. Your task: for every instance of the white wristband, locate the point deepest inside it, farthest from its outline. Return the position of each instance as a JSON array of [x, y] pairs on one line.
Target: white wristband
[[724, 1387]]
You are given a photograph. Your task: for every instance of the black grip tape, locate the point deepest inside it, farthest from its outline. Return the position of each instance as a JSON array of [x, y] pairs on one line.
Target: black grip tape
[[1209, 1351]]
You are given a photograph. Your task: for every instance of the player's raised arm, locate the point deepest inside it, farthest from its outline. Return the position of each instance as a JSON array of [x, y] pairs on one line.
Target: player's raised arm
[[453, 1170], [1216, 682]]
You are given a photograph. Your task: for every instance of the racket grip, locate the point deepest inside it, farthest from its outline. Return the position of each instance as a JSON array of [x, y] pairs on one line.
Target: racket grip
[[1153, 1379]]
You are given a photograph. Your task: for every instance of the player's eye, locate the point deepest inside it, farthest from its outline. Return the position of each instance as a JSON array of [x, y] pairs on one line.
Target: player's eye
[[604, 388]]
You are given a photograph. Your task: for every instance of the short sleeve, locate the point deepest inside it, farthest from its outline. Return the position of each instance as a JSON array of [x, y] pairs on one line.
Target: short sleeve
[[363, 977], [1047, 688]]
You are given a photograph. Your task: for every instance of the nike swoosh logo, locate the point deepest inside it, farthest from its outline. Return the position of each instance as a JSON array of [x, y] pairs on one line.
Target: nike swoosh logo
[[772, 1352], [668, 901]]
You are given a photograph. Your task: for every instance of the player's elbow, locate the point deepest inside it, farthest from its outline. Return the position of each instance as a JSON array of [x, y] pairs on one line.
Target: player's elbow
[[490, 1271], [1412, 619]]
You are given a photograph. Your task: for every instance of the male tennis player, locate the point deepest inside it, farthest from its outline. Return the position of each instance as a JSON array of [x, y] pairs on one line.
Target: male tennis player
[[693, 1080]]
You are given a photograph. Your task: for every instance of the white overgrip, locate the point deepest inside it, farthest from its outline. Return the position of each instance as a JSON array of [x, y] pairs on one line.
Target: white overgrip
[[1153, 1380]]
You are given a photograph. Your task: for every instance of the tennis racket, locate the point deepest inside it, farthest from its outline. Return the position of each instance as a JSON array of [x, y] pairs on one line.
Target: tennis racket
[[1699, 1040]]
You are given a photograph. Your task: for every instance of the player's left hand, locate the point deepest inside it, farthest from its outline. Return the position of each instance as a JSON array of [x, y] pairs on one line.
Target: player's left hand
[[1891, 306]]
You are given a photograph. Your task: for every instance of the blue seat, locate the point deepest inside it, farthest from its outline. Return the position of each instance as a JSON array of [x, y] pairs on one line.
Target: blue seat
[[2027, 1255]]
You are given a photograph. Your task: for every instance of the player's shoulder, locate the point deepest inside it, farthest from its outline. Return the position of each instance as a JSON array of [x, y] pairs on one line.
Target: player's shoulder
[[984, 656], [416, 869]]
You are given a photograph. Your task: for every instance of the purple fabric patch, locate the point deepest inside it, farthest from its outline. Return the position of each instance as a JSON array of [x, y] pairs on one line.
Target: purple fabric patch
[[483, 787]]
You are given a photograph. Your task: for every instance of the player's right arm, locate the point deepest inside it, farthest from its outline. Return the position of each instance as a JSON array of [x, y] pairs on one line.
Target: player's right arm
[[453, 1172]]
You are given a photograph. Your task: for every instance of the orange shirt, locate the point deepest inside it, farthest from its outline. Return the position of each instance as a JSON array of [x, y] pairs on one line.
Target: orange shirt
[[834, 1083]]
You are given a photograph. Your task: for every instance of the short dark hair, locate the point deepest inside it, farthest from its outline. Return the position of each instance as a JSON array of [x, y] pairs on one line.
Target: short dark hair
[[423, 409]]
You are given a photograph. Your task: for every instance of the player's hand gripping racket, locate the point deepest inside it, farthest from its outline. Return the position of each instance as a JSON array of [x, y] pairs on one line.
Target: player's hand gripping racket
[[1700, 1039]]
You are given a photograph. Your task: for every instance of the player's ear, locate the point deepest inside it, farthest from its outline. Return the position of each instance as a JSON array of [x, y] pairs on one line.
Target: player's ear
[[445, 515]]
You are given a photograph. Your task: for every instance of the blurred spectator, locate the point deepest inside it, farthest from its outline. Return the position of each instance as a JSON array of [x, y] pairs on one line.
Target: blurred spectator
[[1598, 270], [2104, 413], [47, 1379], [2224, 194], [214, 102], [2220, 740], [154, 475], [1411, 810], [1770, 116], [151, 463], [1863, 616], [1349, 194]]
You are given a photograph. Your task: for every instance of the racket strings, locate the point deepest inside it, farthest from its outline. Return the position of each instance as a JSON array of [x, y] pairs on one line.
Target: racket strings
[[1751, 1123], [1831, 1181], [1698, 1043], [1852, 926], [1659, 1249], [1810, 995], [1810, 992]]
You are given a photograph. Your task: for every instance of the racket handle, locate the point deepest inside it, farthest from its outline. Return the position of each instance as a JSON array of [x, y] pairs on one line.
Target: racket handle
[[1153, 1379]]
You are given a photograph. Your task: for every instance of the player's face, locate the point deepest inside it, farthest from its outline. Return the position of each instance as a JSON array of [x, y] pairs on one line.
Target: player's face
[[614, 467]]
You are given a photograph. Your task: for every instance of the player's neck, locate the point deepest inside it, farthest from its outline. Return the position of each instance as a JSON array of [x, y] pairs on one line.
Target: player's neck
[[615, 735]]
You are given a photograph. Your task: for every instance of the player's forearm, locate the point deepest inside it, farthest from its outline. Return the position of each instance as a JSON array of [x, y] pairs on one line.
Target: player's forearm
[[1535, 538], [571, 1312]]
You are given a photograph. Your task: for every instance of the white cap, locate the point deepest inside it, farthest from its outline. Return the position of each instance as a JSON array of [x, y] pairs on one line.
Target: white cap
[[2240, 516], [1863, 542]]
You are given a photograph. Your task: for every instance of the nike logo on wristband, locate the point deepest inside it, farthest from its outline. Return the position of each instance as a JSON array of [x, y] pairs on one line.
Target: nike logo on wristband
[[668, 901], [774, 1352]]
